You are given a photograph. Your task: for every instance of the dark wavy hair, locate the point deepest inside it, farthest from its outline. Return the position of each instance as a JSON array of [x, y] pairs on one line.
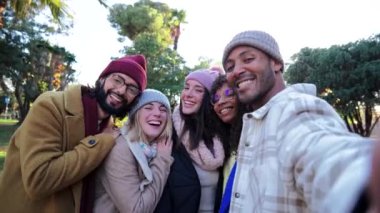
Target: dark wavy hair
[[229, 133], [201, 124]]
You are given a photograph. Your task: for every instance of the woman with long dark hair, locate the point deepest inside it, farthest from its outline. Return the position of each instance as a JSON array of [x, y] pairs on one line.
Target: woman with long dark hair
[[198, 152], [229, 112]]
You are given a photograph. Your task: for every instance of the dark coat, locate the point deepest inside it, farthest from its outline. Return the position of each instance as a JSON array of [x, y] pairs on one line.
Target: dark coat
[[182, 191]]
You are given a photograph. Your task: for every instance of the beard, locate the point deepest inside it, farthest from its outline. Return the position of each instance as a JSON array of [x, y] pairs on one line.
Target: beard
[[101, 97], [258, 97]]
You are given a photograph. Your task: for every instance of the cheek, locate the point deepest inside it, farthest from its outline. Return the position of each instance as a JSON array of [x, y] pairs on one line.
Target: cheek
[[164, 116], [229, 77], [199, 97], [183, 93]]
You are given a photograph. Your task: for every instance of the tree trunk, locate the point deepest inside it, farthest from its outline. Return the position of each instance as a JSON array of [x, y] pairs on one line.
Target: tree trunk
[[3, 4], [368, 120]]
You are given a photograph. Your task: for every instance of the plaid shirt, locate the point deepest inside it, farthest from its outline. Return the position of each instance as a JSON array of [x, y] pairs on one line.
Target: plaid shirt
[[296, 155]]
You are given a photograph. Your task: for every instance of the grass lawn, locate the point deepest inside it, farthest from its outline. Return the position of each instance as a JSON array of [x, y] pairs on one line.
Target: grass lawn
[[7, 127]]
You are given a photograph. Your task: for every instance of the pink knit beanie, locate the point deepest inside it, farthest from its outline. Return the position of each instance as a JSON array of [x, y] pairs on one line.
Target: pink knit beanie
[[204, 76], [133, 65]]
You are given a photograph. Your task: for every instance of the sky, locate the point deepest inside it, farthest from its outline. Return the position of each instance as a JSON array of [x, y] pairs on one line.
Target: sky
[[211, 24]]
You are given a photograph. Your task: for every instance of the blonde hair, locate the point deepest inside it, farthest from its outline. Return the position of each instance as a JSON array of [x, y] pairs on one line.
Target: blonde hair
[[136, 133]]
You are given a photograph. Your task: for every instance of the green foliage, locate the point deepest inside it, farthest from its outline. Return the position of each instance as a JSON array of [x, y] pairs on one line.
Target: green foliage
[[27, 9], [29, 61], [7, 128], [347, 76], [150, 26]]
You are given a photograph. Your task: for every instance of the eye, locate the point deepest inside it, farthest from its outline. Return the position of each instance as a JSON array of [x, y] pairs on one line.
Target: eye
[[229, 67], [118, 81], [133, 89], [215, 99], [199, 91], [163, 109], [229, 92], [249, 59], [148, 106]]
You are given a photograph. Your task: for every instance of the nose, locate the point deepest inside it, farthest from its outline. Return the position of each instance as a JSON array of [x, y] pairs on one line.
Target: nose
[[121, 91], [235, 73], [156, 112], [189, 92]]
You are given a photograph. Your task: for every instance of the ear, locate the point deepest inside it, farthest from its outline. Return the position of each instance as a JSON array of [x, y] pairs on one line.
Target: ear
[[101, 80], [276, 66]]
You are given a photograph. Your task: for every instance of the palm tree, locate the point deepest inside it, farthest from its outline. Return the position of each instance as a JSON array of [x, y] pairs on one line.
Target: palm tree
[[23, 8]]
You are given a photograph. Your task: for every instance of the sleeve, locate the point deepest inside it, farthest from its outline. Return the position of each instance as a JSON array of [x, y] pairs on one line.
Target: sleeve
[[327, 164], [122, 181], [45, 167]]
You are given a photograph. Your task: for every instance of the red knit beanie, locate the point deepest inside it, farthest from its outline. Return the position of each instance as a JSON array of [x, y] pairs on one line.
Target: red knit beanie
[[133, 65]]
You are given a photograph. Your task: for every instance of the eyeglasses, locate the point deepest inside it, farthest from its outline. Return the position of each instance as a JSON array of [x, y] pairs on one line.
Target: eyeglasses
[[129, 88], [228, 93]]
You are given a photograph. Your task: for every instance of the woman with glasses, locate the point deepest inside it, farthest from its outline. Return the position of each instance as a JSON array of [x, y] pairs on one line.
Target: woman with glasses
[[199, 154], [134, 174], [230, 111]]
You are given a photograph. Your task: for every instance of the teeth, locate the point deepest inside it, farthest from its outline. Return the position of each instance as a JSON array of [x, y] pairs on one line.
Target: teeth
[[154, 122], [115, 96], [245, 82], [188, 102], [225, 110]]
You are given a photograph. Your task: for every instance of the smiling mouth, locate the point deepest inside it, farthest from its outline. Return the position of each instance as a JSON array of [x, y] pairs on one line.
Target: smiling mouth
[[154, 123], [225, 111], [245, 82], [116, 97]]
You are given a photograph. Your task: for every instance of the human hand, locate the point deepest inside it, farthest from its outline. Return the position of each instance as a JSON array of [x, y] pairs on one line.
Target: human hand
[[113, 130], [164, 146]]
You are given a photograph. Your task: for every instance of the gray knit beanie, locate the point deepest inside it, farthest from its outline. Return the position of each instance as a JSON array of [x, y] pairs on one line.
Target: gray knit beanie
[[257, 39], [148, 96]]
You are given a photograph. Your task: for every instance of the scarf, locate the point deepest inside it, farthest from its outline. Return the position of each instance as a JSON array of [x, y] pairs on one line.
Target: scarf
[[202, 156], [150, 151], [90, 111]]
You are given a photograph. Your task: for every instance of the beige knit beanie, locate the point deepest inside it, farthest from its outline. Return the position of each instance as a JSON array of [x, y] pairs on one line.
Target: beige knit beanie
[[257, 39]]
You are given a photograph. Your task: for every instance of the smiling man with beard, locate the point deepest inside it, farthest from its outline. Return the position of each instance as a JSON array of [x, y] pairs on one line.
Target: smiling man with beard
[[64, 137], [295, 152]]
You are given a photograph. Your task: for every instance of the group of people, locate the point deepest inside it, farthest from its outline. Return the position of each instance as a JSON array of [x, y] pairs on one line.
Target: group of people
[[239, 141]]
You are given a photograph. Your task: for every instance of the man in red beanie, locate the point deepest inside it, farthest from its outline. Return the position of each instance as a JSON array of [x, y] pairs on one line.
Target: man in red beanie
[[64, 137]]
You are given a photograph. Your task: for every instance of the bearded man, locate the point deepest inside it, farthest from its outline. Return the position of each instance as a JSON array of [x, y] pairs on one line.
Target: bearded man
[[64, 137]]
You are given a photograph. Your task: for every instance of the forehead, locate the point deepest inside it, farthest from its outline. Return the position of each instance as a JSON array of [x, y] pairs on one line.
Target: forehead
[[193, 83], [241, 51], [125, 77], [223, 88]]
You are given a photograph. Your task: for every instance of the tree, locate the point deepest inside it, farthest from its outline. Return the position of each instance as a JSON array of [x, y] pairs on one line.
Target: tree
[[149, 25], [23, 8], [29, 61], [347, 76]]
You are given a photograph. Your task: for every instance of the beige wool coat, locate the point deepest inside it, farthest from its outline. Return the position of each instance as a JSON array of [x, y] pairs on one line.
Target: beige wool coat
[[127, 182], [49, 155]]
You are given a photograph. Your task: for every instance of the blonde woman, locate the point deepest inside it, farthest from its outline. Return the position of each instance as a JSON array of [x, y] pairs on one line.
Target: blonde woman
[[133, 176]]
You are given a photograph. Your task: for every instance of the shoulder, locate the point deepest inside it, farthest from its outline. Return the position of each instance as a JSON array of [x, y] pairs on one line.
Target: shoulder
[[121, 145]]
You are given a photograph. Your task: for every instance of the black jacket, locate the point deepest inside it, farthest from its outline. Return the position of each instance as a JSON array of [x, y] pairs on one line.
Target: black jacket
[[182, 191]]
